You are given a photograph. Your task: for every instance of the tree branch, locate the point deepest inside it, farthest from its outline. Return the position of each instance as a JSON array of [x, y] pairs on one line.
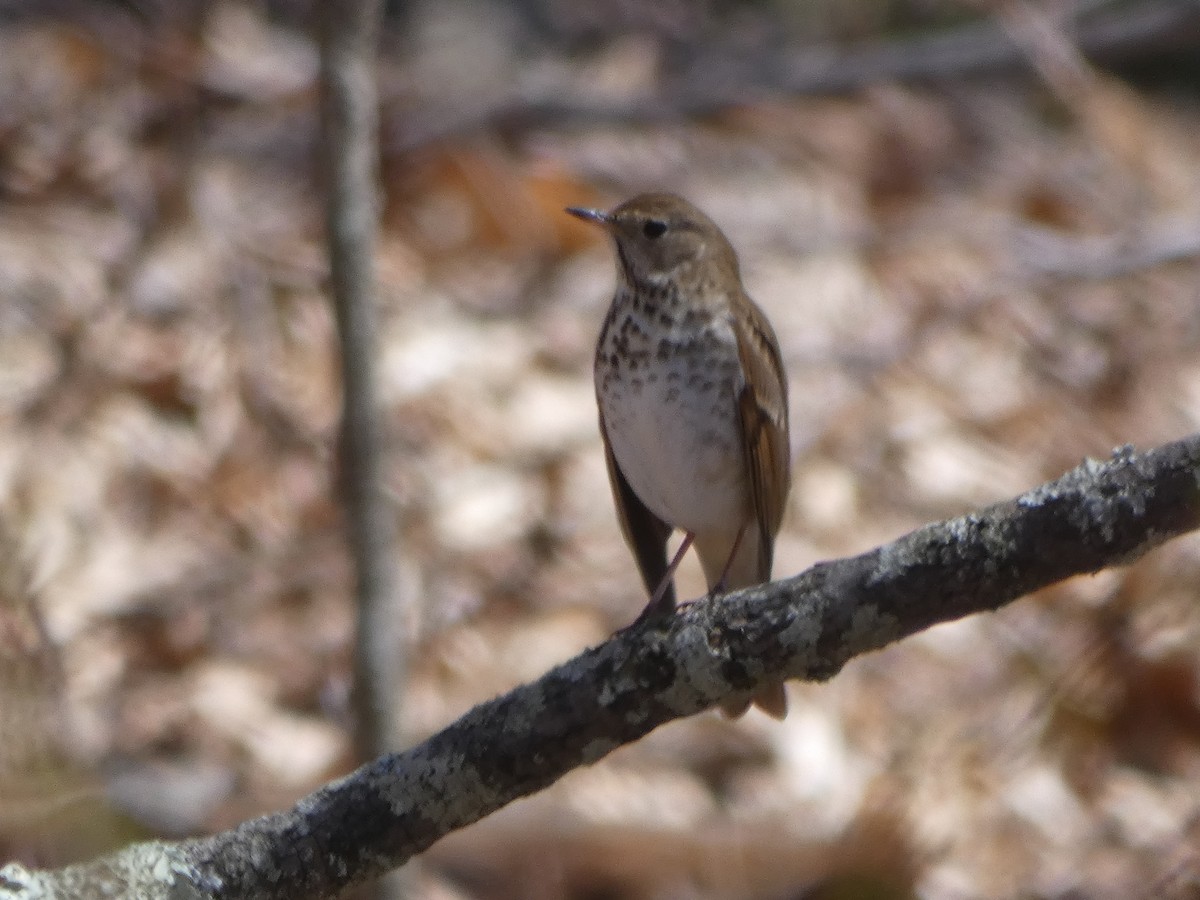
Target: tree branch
[[1099, 514], [350, 128]]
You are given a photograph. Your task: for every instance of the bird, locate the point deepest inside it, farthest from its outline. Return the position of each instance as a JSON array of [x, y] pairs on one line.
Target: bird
[[693, 406]]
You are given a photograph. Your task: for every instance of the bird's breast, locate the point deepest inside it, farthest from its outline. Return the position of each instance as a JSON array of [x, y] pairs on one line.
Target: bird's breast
[[667, 379]]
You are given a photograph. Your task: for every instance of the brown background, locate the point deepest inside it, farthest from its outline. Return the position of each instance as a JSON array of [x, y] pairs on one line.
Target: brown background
[[975, 284]]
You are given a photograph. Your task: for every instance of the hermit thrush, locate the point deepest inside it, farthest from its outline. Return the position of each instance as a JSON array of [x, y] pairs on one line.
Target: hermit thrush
[[693, 405]]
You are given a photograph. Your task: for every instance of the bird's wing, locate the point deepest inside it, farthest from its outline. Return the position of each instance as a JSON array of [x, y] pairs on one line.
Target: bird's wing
[[645, 532], [763, 415]]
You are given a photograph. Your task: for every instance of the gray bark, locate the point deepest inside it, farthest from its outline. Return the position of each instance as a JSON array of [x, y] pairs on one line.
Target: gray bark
[[350, 129]]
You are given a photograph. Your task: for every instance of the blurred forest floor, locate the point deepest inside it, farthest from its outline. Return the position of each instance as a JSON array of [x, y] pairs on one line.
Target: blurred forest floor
[[976, 283]]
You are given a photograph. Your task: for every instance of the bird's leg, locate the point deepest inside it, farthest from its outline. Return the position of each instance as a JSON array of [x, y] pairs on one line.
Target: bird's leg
[[654, 609], [719, 587]]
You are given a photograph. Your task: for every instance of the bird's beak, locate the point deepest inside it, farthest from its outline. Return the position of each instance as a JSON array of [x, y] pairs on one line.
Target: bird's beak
[[595, 216]]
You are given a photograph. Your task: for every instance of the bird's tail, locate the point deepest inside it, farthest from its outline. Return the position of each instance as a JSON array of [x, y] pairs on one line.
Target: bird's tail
[[747, 567], [772, 700]]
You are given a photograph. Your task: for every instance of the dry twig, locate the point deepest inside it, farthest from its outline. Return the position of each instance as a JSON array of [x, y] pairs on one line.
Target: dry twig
[[968, 51], [349, 112]]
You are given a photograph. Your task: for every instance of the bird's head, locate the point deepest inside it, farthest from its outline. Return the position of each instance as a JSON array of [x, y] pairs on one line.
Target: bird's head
[[661, 237]]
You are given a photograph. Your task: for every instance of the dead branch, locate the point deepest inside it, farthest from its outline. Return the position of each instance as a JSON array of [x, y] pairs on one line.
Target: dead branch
[[714, 82], [350, 120], [1098, 515], [1044, 252]]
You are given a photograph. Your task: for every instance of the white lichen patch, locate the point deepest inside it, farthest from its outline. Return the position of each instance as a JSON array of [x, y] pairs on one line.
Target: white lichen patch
[[1095, 510], [699, 672], [696, 675], [975, 529], [802, 634], [898, 556], [446, 789], [621, 683], [1071, 482], [870, 627]]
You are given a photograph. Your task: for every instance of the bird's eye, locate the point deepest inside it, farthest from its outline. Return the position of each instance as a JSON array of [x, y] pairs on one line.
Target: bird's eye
[[654, 229]]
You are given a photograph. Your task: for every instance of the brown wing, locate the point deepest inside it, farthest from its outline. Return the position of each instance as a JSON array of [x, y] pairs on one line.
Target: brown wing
[[763, 413], [645, 533]]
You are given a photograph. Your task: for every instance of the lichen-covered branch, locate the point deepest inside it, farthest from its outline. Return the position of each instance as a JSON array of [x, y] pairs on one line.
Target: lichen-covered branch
[[1100, 514]]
